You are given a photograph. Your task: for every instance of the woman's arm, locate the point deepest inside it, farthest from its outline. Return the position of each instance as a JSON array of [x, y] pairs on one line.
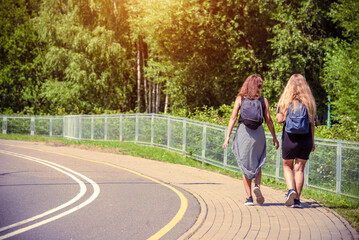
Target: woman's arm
[[270, 124], [279, 116], [312, 126], [232, 121]]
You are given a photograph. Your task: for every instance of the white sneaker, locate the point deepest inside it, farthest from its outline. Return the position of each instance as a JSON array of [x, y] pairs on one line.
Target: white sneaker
[[249, 201]]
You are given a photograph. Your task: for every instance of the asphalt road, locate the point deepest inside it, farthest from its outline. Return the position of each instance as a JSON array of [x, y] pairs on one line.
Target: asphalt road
[[49, 195]]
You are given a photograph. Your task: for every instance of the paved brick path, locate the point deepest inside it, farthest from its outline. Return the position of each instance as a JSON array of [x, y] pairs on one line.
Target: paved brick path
[[223, 214]]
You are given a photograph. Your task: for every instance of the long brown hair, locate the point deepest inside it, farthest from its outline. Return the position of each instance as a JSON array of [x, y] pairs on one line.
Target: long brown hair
[[297, 89], [252, 87]]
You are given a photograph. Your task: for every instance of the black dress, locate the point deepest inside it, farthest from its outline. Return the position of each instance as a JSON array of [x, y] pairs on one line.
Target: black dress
[[296, 145]]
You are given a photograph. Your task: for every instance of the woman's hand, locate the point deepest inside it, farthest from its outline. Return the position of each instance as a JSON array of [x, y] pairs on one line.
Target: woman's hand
[[275, 143], [313, 148], [225, 144], [279, 117]]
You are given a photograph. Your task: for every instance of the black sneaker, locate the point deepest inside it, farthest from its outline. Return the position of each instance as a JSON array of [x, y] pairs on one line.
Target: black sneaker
[[249, 201], [297, 203], [291, 195]]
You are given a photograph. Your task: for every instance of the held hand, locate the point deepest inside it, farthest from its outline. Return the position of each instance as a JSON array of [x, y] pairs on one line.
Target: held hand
[[275, 143], [313, 148], [279, 117]]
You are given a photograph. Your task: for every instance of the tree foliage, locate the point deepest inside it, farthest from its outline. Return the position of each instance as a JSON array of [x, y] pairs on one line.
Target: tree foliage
[[341, 70], [20, 54], [86, 65], [299, 45], [89, 56], [211, 45]]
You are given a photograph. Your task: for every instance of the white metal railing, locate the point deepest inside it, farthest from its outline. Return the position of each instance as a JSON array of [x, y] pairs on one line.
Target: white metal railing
[[333, 166]]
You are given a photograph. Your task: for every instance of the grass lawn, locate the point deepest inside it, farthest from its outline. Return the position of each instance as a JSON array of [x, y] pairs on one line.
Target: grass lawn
[[346, 207]]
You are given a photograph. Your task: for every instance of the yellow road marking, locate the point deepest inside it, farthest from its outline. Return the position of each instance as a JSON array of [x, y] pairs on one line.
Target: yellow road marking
[[176, 219]]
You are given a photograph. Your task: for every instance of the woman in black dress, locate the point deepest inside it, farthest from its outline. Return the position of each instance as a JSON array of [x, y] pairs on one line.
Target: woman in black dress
[[296, 147]]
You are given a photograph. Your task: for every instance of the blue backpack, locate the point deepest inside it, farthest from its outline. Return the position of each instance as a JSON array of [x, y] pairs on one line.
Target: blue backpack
[[251, 113], [297, 121]]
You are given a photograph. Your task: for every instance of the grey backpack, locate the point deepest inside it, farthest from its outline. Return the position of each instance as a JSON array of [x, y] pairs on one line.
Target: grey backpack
[[251, 113]]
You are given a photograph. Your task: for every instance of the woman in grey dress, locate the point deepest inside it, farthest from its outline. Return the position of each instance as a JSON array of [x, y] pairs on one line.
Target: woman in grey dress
[[249, 143]]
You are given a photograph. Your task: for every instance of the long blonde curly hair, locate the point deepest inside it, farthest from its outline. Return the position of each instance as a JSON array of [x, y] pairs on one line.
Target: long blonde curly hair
[[297, 89]]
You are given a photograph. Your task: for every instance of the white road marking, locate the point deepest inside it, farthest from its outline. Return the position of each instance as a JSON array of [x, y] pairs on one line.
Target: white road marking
[[59, 168], [175, 220], [82, 192]]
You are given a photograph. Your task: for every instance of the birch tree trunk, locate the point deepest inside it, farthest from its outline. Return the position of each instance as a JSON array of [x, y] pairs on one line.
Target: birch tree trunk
[[166, 101], [149, 96], [139, 62], [153, 96], [144, 50], [145, 86], [158, 98]]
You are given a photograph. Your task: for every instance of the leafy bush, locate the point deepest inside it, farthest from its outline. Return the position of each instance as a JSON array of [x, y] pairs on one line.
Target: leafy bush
[[346, 129]]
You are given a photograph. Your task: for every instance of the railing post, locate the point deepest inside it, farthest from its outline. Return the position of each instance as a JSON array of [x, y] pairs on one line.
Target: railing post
[[204, 138], [92, 127], [50, 129], [278, 160], [106, 126], [63, 126], [121, 130], [4, 125], [168, 132], [80, 127], [184, 135], [152, 128], [136, 130], [69, 126], [339, 167], [306, 174], [225, 150], [32, 126]]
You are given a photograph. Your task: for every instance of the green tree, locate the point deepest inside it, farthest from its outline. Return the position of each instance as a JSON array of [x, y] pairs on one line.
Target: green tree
[[211, 45], [20, 54], [87, 62], [85, 56], [245, 26], [341, 70], [299, 46]]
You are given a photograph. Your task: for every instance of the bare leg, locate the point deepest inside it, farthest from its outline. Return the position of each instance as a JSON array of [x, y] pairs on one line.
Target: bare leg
[[258, 178], [247, 186], [256, 190], [289, 180], [299, 175], [288, 173]]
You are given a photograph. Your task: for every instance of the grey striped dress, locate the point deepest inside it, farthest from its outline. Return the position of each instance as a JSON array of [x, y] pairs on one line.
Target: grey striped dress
[[249, 148]]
